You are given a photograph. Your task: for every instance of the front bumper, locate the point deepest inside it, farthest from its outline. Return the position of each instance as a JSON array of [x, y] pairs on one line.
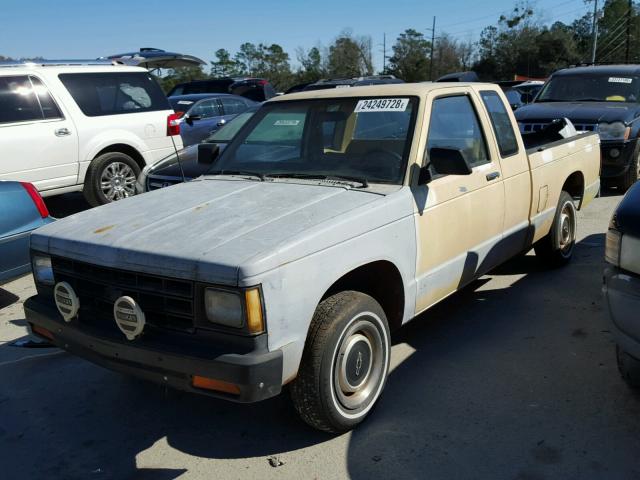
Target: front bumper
[[622, 292], [257, 374], [614, 166]]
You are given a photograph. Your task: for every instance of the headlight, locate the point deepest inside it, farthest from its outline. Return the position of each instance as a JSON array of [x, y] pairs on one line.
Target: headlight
[[613, 131], [235, 309], [42, 270], [224, 307]]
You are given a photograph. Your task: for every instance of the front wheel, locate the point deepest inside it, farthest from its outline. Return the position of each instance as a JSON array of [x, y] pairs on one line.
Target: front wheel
[[556, 249], [111, 176], [344, 364]]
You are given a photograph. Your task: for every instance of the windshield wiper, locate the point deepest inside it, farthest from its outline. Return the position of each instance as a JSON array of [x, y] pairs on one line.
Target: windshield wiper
[[238, 172], [315, 176]]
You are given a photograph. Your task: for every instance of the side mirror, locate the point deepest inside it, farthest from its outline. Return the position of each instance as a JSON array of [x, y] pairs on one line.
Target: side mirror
[[445, 161], [192, 118], [208, 153]]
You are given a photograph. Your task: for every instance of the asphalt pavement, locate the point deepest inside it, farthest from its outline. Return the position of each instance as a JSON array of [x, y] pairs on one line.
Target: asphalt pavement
[[512, 378]]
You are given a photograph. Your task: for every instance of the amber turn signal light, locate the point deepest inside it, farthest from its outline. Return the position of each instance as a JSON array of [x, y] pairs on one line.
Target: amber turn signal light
[[43, 332], [213, 384], [255, 322]]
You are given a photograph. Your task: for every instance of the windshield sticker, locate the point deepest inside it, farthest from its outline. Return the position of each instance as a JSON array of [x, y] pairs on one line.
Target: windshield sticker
[[620, 80], [184, 102], [382, 105], [287, 123]]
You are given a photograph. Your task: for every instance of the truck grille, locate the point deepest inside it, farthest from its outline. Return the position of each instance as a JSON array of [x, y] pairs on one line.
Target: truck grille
[[537, 126], [167, 303]]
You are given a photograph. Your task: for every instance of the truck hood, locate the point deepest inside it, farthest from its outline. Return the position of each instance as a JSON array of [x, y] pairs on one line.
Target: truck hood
[[215, 229], [578, 113]]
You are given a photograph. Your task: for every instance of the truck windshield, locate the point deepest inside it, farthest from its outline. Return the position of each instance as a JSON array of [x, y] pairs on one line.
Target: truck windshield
[[591, 88], [361, 138]]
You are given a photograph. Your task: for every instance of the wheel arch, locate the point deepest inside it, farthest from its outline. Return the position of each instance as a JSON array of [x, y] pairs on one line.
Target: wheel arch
[[379, 279], [126, 149], [574, 186]]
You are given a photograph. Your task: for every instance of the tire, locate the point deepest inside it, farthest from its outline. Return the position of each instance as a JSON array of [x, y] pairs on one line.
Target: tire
[[631, 176], [111, 176], [556, 248], [344, 364], [629, 368]]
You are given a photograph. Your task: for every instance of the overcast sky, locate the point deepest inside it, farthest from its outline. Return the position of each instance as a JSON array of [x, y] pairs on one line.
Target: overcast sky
[[66, 29]]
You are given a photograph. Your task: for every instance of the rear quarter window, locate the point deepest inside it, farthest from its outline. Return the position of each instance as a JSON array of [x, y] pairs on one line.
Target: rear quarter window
[[115, 93]]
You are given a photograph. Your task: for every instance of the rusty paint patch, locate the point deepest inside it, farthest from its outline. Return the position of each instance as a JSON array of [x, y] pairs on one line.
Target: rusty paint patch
[[104, 229]]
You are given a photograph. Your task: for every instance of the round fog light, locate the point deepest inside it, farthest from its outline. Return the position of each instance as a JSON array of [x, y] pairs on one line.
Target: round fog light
[[66, 300], [614, 153], [129, 317]]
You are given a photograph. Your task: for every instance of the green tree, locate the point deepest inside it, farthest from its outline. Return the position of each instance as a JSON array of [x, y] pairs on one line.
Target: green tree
[[350, 57], [311, 65], [224, 65], [410, 59]]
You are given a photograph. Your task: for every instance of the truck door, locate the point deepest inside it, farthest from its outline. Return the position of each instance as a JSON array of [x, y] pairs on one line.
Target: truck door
[[39, 143], [516, 174], [459, 224]]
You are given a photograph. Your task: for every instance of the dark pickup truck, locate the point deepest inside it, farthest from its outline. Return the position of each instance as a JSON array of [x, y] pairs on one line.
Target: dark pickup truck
[[603, 99]]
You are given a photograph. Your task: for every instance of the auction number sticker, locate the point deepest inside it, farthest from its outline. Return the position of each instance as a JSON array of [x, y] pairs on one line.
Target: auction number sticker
[[620, 80], [382, 105], [287, 123]]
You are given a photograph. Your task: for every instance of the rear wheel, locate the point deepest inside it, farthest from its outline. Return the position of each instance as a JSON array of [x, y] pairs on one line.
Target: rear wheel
[[111, 176], [556, 249], [345, 362]]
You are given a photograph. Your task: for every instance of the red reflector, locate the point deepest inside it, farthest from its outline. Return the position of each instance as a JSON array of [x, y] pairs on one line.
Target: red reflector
[[213, 384], [37, 199], [173, 124], [43, 332]]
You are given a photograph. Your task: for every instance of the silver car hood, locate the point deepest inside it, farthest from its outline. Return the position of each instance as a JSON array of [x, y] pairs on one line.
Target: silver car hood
[[215, 230]]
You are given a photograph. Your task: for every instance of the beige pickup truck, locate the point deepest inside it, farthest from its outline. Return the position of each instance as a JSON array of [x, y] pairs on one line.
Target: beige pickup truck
[[332, 218]]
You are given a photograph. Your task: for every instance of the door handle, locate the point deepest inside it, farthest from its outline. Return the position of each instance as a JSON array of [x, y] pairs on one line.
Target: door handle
[[492, 176], [62, 132]]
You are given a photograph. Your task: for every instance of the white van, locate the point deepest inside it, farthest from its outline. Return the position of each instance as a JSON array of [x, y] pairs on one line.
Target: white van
[[68, 126]]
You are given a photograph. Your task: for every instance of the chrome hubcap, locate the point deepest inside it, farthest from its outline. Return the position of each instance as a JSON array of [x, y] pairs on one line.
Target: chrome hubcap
[[359, 365], [567, 229], [118, 181]]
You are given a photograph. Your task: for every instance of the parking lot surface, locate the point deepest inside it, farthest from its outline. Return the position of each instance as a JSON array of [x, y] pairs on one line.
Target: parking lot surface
[[514, 377]]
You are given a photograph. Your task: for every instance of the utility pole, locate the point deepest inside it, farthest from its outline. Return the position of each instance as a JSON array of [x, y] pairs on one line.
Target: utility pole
[[384, 53], [626, 55], [433, 41], [594, 32]]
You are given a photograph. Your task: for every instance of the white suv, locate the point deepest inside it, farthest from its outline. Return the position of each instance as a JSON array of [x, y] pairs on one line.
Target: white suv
[[91, 127]]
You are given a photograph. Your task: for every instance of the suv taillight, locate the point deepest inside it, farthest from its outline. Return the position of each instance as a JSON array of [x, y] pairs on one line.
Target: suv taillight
[[173, 124], [37, 199]]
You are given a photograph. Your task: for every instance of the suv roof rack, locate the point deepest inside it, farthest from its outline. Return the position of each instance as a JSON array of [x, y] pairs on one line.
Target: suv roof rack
[[51, 63]]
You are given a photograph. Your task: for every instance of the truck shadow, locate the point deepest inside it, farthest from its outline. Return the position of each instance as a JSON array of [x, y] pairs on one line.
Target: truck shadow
[[447, 409], [504, 382], [61, 206]]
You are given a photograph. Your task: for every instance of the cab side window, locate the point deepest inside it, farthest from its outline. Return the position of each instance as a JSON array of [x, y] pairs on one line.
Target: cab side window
[[454, 125], [501, 123]]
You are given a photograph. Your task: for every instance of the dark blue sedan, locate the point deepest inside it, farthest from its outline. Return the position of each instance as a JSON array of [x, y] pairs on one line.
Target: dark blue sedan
[[21, 211], [202, 114]]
